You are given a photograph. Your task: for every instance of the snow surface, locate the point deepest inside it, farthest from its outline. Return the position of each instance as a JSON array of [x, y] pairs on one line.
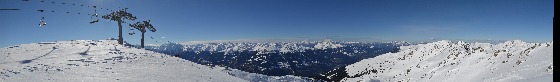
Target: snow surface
[[99, 61], [253, 77], [445, 61]]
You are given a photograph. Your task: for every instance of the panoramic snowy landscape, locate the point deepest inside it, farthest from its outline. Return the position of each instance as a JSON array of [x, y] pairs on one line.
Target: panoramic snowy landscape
[[276, 40], [106, 60]]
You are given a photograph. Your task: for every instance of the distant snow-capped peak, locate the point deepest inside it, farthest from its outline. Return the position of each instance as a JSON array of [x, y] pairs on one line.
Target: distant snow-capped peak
[[326, 45]]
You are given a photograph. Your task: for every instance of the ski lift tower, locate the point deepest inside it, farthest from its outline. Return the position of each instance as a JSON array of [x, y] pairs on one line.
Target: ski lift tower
[[120, 16]]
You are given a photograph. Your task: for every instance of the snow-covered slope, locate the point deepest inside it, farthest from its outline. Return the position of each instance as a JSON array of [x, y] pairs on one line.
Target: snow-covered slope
[[99, 61], [253, 77], [446, 61]]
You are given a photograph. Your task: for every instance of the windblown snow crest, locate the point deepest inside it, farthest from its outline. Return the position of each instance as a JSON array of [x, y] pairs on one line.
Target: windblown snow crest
[[446, 61]]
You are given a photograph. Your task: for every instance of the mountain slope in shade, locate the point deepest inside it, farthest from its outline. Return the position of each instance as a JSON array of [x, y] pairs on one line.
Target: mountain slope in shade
[[446, 61], [305, 59], [99, 61]]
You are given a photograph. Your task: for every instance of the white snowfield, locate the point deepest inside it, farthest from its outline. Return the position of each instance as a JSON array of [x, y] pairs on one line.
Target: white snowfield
[[445, 61], [99, 61]]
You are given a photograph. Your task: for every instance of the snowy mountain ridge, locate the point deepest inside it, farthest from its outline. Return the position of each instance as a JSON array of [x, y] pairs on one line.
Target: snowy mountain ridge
[[263, 48], [445, 61]]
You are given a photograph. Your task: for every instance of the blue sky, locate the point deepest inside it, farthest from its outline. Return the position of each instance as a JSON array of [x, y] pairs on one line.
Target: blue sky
[[198, 20]]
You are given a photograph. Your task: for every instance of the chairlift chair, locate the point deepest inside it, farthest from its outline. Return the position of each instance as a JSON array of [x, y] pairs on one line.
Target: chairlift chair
[[41, 22], [94, 15]]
